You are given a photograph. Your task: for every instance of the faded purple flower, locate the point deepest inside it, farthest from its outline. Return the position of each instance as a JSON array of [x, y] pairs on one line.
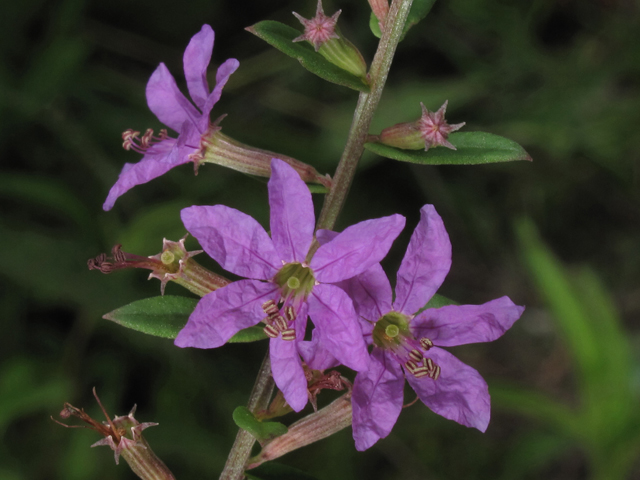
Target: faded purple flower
[[407, 345], [319, 29], [434, 129], [161, 152], [284, 286]]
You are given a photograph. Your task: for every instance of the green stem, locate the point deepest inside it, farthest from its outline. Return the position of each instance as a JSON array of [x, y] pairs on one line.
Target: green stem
[[367, 104], [258, 400]]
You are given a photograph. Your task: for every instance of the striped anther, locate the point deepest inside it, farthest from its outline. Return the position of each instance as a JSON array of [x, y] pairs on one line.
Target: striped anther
[[416, 356], [290, 313], [412, 367], [426, 343], [280, 323], [270, 307], [271, 331], [289, 334]]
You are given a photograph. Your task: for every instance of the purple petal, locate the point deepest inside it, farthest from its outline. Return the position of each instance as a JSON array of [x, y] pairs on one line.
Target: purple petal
[[459, 394], [461, 324], [356, 249], [292, 218], [159, 159], [167, 102], [288, 373], [234, 240], [325, 236], [370, 292], [332, 312], [196, 59], [222, 313], [222, 75], [377, 399], [425, 265], [315, 354]]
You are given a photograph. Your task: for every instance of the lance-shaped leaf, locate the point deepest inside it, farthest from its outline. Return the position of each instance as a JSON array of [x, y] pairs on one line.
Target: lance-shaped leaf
[[473, 148], [281, 37], [262, 431], [165, 316]]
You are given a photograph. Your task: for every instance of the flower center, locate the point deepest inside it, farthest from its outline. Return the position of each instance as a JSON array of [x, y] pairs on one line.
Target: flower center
[[133, 141], [392, 333], [296, 282]]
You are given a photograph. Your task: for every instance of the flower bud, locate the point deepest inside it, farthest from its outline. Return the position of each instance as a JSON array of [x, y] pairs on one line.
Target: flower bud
[[321, 32], [430, 130]]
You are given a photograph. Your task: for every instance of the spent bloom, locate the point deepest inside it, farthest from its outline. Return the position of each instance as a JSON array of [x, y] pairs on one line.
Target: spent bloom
[[319, 29], [430, 130], [173, 109], [407, 344], [123, 434], [282, 285]]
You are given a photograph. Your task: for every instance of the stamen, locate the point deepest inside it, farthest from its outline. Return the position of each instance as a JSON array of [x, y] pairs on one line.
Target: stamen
[[280, 323], [270, 308], [129, 137], [416, 356], [290, 313], [289, 334], [435, 373], [271, 331], [426, 343], [412, 367]]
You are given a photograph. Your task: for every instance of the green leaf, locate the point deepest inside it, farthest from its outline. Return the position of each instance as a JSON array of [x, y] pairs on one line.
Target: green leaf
[[159, 316], [438, 301], [419, 10], [263, 431], [251, 334], [281, 37], [473, 148], [374, 25], [165, 316], [277, 471]]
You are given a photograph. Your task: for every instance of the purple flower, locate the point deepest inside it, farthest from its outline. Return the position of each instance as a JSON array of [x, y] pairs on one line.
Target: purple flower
[[284, 286], [407, 345], [162, 153]]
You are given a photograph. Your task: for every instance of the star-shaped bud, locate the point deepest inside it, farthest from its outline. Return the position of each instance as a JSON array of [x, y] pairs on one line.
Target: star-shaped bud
[[434, 129], [430, 130], [318, 29]]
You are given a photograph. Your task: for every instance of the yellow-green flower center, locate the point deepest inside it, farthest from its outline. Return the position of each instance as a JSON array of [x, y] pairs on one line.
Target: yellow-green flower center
[[295, 280], [390, 330]]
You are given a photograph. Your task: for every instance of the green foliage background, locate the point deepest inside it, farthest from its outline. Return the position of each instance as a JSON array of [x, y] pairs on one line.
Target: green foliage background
[[560, 78]]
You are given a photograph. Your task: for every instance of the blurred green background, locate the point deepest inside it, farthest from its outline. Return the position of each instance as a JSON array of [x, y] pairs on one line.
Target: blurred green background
[[560, 235]]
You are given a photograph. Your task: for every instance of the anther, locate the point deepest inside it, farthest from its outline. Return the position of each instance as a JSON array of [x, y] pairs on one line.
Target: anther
[[435, 373], [290, 313], [270, 308], [426, 343], [280, 323], [416, 356], [271, 331], [412, 367], [289, 334]]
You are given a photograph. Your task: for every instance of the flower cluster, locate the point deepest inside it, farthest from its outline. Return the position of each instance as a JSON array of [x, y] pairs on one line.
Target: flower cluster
[[348, 297]]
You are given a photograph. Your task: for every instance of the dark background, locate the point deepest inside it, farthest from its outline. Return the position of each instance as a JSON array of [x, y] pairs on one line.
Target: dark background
[[562, 78]]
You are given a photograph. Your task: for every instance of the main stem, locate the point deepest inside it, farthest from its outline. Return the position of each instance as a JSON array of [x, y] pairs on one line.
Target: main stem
[[334, 201], [366, 107]]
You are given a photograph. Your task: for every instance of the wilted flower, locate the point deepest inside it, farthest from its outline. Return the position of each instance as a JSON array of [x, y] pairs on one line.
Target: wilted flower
[[124, 436], [284, 284], [166, 101]]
